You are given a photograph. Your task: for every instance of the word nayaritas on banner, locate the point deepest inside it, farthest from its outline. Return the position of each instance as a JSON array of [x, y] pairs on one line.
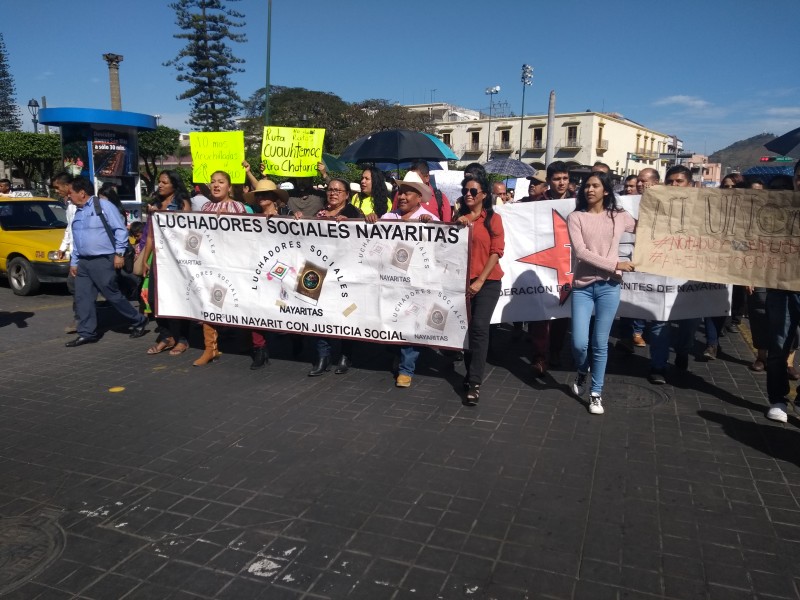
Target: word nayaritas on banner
[[538, 272], [738, 236], [217, 151], [291, 151], [393, 282]]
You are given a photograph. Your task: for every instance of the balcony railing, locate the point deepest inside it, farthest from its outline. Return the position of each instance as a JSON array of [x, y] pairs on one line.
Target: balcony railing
[[570, 144], [602, 145], [502, 147], [535, 145], [472, 148]]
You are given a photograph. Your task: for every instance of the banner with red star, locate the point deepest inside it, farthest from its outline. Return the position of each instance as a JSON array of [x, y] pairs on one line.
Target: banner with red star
[[537, 266]]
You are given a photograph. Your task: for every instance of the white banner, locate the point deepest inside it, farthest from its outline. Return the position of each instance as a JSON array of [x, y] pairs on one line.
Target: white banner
[[391, 281], [537, 266]]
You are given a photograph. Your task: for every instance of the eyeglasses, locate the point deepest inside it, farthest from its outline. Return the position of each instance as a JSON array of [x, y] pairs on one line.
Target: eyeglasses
[[336, 190], [471, 191]]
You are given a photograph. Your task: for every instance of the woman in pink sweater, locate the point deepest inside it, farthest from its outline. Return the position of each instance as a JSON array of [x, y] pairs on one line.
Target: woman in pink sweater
[[594, 231]]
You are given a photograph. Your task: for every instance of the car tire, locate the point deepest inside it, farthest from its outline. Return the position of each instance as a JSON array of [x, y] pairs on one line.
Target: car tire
[[21, 277]]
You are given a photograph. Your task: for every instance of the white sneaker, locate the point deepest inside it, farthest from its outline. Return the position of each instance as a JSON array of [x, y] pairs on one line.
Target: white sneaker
[[596, 404], [777, 412], [579, 385]]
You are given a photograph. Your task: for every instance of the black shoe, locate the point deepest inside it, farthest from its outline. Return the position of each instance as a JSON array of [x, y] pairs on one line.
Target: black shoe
[[343, 366], [260, 358], [682, 361], [321, 367], [656, 377], [139, 330], [733, 327], [80, 341], [473, 394]]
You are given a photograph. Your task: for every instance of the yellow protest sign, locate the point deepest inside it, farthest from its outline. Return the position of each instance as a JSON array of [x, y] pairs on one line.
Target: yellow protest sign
[[291, 151], [217, 151]]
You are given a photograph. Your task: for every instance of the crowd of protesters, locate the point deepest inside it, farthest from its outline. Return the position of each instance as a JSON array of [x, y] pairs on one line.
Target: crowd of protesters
[[595, 228]]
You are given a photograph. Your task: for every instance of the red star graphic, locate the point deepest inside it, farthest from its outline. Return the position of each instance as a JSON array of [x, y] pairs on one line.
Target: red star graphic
[[557, 257]]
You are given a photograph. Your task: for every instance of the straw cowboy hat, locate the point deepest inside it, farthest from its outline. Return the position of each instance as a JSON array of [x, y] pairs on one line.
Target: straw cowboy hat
[[265, 185], [413, 181]]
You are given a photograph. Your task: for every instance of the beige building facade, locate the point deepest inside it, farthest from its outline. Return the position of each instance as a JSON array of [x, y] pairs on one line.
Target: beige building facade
[[580, 139]]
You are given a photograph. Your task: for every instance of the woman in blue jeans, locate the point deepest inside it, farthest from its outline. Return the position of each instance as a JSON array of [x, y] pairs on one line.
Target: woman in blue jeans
[[595, 228]]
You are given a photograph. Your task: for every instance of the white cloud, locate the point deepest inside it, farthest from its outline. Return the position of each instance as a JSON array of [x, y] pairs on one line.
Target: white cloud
[[687, 101], [784, 112]]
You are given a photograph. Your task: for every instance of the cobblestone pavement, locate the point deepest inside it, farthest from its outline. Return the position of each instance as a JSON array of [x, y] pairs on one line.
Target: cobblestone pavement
[[221, 482]]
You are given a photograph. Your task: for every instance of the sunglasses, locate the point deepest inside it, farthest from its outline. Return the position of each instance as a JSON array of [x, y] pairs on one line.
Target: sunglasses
[[470, 191]]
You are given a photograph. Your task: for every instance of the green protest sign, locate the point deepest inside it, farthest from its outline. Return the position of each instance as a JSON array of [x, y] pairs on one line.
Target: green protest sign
[[217, 151]]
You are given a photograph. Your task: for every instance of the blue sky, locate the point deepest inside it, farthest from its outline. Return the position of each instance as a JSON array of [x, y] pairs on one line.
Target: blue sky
[[710, 72]]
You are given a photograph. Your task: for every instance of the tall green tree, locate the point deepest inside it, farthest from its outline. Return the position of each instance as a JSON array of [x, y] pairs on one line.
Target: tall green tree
[[343, 122], [10, 119], [206, 63], [34, 155], [162, 141]]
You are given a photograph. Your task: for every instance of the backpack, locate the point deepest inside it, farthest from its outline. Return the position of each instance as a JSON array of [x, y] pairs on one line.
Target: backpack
[[438, 195]]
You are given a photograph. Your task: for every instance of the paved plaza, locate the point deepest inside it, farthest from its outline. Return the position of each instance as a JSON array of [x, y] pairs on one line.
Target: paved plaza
[[130, 476]]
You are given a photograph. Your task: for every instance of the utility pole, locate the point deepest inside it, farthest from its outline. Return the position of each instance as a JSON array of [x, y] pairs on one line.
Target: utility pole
[[527, 79]]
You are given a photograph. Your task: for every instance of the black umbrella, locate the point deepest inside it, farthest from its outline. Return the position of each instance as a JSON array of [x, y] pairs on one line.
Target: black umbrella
[[392, 146], [510, 167], [784, 144]]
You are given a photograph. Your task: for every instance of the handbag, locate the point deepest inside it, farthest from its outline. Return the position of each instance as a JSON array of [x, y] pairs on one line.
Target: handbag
[[138, 264], [130, 252]]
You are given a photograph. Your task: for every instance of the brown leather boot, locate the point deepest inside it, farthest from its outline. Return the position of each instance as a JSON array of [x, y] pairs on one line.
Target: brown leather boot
[[211, 352]]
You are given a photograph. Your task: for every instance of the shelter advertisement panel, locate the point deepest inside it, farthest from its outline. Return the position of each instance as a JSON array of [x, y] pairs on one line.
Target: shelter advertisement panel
[[114, 153], [739, 236], [393, 282], [537, 267]]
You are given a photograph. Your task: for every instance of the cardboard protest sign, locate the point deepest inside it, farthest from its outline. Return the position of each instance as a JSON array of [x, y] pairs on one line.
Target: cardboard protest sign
[[291, 151], [391, 281], [217, 151], [738, 236]]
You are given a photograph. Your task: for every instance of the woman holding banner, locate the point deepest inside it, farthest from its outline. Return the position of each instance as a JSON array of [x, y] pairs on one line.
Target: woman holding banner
[[172, 195], [221, 202], [487, 245], [595, 228], [336, 207]]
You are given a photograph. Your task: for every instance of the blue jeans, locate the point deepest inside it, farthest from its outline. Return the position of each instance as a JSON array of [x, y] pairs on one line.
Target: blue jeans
[[660, 339], [603, 298], [408, 360], [783, 315]]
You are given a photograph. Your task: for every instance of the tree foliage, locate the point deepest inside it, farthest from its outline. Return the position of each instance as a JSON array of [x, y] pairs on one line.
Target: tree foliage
[[206, 63], [31, 153], [343, 122], [9, 111], [162, 141]]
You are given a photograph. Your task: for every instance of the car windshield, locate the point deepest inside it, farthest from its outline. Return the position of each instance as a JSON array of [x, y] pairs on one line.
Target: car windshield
[[36, 214]]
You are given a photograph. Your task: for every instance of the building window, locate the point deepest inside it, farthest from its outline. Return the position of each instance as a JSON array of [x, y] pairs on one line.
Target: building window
[[572, 136], [446, 138], [475, 139], [538, 138], [505, 138]]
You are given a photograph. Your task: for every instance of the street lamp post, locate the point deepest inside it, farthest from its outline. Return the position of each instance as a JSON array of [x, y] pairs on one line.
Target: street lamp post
[[527, 79], [33, 108], [491, 91]]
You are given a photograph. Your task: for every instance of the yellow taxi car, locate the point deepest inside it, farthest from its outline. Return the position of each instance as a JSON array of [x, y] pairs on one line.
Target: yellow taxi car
[[31, 230]]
